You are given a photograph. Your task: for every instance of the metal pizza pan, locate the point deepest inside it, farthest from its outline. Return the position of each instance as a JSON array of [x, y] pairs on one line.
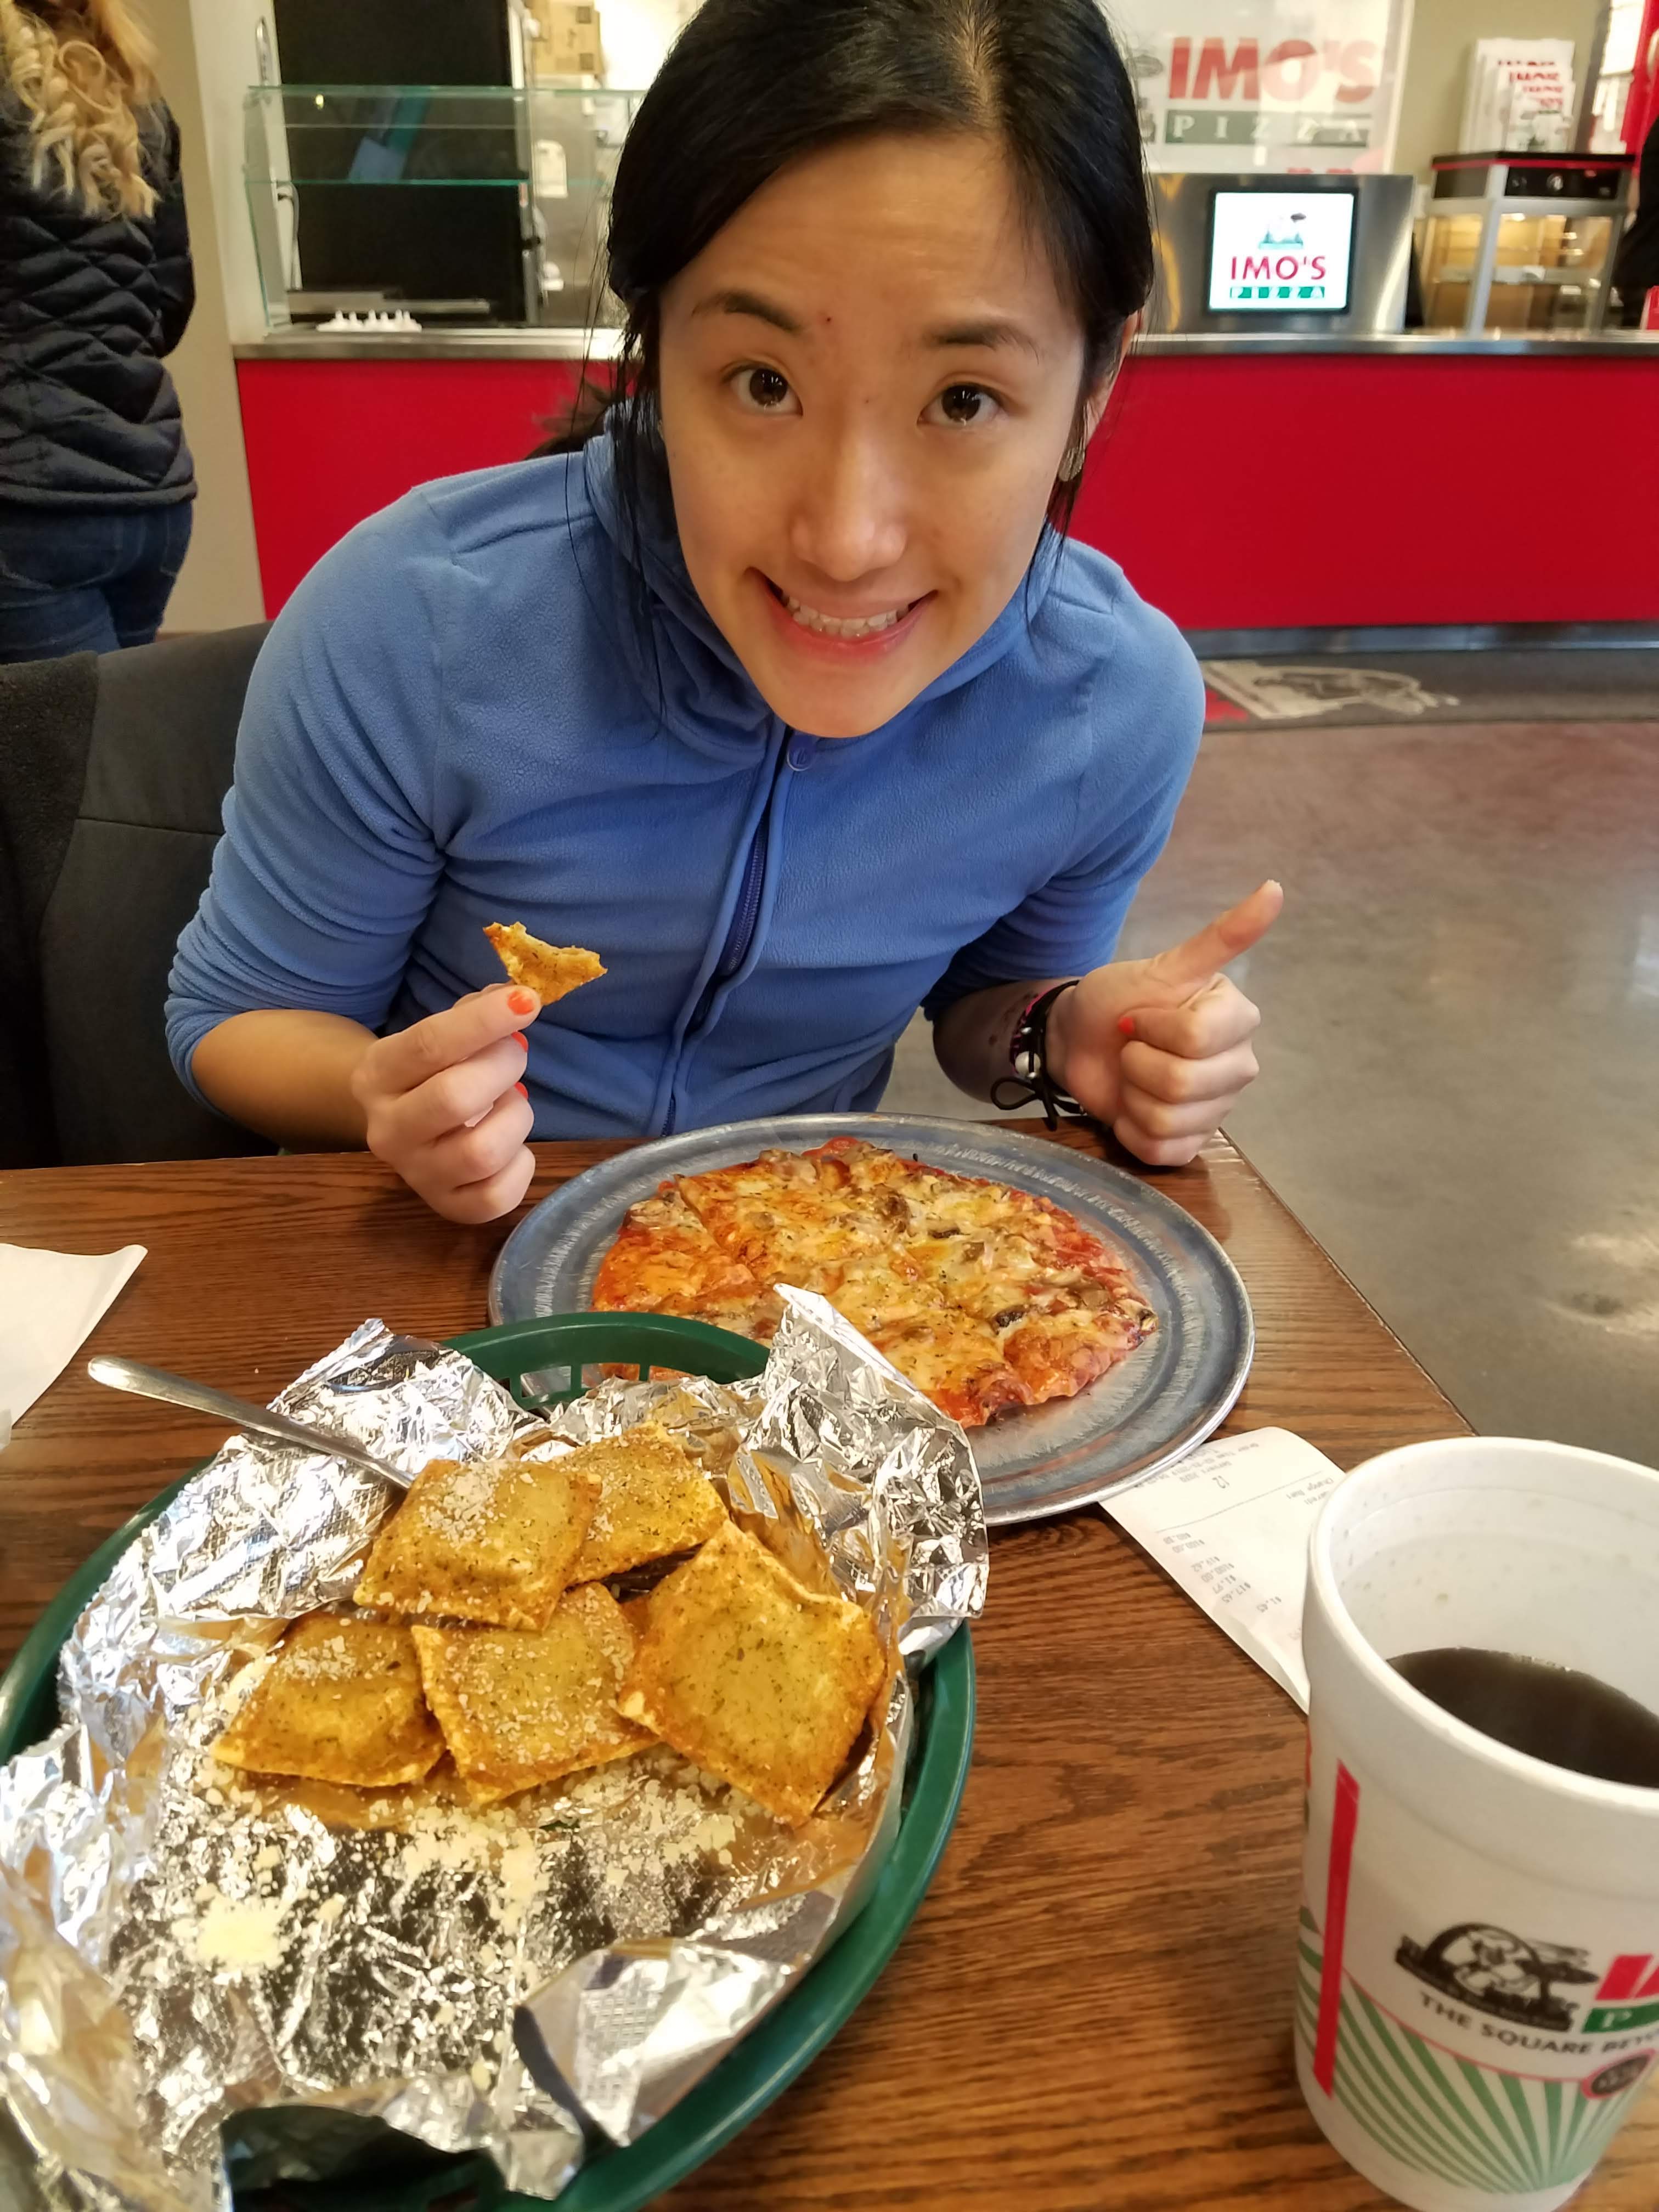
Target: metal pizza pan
[[1147, 1413]]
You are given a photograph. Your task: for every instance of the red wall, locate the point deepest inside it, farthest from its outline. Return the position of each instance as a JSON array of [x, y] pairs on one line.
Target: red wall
[[1271, 492]]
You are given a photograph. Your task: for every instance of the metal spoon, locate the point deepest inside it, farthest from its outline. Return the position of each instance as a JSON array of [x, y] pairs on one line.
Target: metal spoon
[[256, 1421]]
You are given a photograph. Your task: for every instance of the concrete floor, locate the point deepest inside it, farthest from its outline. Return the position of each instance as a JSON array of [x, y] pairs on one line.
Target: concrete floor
[[1459, 1087]]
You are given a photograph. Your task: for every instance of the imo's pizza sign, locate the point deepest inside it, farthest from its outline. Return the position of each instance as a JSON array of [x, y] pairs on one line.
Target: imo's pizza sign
[[1281, 252], [1266, 84]]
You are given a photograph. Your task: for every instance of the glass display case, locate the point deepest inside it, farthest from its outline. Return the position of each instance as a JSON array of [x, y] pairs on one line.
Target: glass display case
[[1514, 242], [434, 205]]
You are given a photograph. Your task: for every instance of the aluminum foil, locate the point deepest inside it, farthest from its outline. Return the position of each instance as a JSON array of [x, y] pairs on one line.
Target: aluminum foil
[[203, 1978]]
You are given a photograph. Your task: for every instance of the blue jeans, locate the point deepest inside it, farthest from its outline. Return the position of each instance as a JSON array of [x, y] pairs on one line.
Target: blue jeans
[[78, 580]]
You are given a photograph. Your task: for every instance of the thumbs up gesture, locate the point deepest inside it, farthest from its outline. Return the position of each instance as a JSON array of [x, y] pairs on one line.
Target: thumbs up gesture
[[1160, 1049]]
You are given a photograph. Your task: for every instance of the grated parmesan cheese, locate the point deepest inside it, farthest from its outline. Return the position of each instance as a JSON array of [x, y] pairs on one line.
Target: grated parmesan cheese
[[236, 1933]]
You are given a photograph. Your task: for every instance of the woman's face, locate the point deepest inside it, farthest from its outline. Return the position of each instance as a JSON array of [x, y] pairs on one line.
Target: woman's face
[[869, 378]]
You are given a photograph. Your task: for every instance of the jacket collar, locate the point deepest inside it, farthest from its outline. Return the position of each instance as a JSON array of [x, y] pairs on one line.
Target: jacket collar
[[679, 655]]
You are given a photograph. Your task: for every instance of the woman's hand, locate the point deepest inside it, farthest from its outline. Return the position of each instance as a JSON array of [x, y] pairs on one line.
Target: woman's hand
[[1159, 1049], [443, 1104]]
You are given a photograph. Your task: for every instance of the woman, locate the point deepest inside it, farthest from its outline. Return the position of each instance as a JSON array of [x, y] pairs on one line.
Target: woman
[[781, 693], [95, 289], [1635, 264]]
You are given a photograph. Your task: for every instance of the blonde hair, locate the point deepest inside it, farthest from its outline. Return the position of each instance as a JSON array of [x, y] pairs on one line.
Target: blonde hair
[[83, 71]]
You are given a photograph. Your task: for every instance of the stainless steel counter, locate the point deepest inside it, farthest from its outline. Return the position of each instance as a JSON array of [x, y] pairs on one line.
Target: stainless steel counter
[[601, 345], [311, 344]]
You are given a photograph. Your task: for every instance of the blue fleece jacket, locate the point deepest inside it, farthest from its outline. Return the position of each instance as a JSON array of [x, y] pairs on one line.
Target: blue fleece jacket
[[489, 702]]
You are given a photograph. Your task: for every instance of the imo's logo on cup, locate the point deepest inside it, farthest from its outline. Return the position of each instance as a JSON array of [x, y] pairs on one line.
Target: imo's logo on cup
[[1477, 1992], [1505, 1975], [1505, 2079]]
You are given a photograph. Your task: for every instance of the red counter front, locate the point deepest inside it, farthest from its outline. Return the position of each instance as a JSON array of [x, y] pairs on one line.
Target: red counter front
[[331, 442], [1280, 491]]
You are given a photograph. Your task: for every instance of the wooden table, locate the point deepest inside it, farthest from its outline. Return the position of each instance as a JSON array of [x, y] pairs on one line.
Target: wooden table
[[1092, 2008]]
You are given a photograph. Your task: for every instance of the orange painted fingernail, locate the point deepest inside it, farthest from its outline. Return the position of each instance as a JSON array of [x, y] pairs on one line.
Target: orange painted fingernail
[[522, 1092], [518, 1037], [1127, 1024], [523, 1002]]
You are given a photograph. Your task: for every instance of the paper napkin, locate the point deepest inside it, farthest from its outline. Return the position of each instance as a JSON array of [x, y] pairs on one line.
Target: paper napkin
[[1230, 1524], [50, 1304]]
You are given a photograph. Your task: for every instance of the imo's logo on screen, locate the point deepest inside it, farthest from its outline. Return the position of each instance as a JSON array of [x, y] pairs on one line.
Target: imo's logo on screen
[[1281, 267], [1280, 252]]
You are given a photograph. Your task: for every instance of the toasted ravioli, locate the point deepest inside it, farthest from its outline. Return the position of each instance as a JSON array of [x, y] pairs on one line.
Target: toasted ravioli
[[492, 1541], [654, 1499], [636, 1612], [550, 971], [341, 1702], [518, 1708], [751, 1676]]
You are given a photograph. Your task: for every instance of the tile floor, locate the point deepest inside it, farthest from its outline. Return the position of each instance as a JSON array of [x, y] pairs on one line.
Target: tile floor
[[1460, 1093]]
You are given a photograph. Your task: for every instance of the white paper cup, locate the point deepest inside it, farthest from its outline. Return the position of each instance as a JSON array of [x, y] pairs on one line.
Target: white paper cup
[[1478, 1987]]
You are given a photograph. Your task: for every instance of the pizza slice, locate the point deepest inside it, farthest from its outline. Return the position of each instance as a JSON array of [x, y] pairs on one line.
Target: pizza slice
[[1063, 1308], [779, 1217], [552, 972], [664, 1260], [924, 1203], [953, 1361], [1057, 1350], [796, 1220], [951, 1356]]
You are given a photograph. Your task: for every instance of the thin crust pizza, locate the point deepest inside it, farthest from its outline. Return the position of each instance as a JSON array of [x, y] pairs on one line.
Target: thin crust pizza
[[665, 1260], [987, 1298]]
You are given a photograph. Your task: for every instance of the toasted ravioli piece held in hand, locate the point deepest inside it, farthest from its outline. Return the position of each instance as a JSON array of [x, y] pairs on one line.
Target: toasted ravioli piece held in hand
[[492, 1541], [517, 1709], [552, 972], [340, 1702], [654, 1499], [754, 1678]]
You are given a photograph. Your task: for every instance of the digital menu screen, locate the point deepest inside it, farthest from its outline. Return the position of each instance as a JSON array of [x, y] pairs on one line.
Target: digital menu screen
[[1280, 253]]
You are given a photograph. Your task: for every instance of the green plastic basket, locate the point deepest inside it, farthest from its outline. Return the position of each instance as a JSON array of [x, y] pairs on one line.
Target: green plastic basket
[[542, 1362]]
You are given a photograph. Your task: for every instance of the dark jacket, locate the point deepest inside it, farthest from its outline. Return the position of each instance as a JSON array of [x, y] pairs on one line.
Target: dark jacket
[[1636, 266], [88, 306]]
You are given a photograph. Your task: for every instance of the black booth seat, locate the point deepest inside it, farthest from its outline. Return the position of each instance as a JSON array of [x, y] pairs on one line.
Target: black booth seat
[[114, 768]]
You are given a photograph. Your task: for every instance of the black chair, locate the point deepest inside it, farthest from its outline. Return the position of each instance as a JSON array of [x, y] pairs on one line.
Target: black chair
[[112, 770]]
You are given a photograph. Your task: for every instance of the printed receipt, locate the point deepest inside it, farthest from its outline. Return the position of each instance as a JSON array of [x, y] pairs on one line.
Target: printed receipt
[[1231, 1525]]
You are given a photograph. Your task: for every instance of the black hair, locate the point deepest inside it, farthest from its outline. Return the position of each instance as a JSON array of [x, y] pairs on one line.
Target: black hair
[[751, 85]]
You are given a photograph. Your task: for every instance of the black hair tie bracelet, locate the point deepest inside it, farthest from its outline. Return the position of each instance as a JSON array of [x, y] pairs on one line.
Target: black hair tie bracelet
[[1028, 1055]]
